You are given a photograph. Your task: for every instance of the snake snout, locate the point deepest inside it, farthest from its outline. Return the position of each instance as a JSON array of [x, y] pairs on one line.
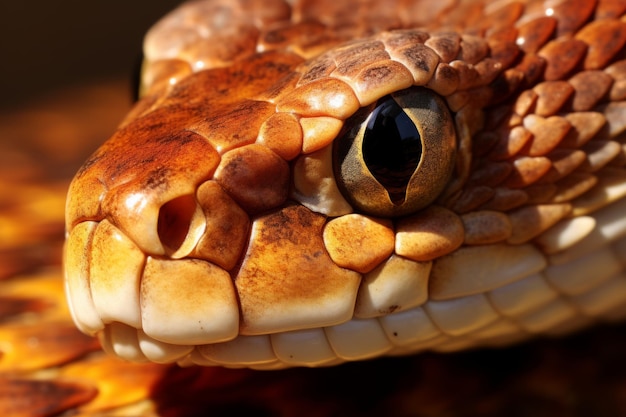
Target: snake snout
[[150, 303]]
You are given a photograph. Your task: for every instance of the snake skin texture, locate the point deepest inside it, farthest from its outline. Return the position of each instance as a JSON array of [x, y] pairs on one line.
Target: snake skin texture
[[215, 227], [236, 218]]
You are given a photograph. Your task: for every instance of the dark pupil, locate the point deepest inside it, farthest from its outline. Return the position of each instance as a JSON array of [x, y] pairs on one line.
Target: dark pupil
[[392, 148]]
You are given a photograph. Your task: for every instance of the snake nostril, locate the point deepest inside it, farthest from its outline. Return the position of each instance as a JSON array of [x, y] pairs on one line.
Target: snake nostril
[[176, 223]]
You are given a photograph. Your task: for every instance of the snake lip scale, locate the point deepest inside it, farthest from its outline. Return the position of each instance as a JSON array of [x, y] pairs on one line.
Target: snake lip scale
[[313, 183]]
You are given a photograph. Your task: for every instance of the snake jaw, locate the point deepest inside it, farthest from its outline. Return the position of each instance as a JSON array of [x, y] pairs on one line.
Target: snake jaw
[[115, 286], [194, 243]]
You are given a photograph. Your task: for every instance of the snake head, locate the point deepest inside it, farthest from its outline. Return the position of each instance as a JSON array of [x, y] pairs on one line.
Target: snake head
[[288, 206]]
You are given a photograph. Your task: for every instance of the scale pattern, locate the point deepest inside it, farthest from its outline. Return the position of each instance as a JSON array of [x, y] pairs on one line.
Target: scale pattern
[[47, 368], [210, 228]]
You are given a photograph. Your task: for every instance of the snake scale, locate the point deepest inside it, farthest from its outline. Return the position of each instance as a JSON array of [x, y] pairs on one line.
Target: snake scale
[[313, 183]]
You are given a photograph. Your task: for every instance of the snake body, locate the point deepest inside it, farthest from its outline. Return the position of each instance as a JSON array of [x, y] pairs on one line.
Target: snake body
[[236, 219]]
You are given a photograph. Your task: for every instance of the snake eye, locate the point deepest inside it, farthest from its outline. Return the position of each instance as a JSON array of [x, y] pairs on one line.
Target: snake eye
[[396, 156]]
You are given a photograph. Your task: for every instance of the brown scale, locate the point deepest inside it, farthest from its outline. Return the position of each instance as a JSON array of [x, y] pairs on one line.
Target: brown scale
[[551, 96], [538, 193], [486, 227], [309, 100], [505, 199], [530, 221], [502, 18], [618, 72], [564, 161], [490, 173], [585, 125], [604, 40], [562, 56], [547, 134], [510, 143], [590, 87], [581, 93], [446, 45], [535, 33]]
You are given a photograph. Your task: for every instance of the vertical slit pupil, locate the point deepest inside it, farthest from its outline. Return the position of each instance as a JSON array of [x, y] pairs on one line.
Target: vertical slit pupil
[[392, 148]]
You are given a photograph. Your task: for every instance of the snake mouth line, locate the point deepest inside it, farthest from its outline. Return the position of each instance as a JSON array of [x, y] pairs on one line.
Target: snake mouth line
[[190, 311]]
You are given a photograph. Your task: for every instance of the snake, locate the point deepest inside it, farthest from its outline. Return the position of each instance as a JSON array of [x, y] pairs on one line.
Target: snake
[[312, 183]]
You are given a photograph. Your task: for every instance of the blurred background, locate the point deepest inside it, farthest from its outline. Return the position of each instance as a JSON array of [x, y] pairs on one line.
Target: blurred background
[[45, 46], [66, 80]]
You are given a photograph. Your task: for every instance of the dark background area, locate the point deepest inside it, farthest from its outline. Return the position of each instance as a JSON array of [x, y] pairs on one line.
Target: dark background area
[[46, 46]]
